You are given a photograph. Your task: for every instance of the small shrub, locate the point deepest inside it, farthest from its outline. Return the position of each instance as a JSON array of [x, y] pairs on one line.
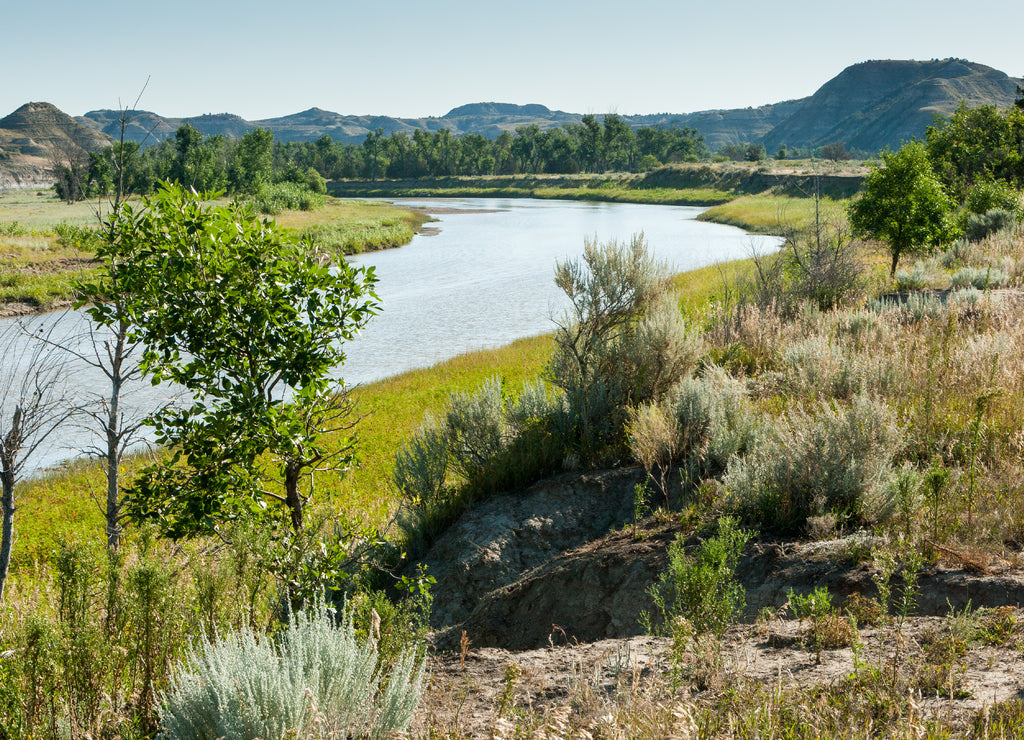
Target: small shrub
[[272, 198], [822, 267], [12, 228], [654, 440], [421, 465], [979, 277], [715, 420], [316, 678], [813, 464], [78, 237], [826, 629], [866, 611], [957, 254], [488, 441], [915, 279], [702, 589], [476, 430], [978, 226]]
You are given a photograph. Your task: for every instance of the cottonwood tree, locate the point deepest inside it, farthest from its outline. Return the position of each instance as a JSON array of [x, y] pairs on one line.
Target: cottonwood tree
[[251, 323], [32, 406], [903, 204]]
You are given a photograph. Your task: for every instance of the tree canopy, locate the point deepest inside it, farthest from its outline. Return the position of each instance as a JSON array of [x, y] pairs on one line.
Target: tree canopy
[[903, 203], [251, 323]]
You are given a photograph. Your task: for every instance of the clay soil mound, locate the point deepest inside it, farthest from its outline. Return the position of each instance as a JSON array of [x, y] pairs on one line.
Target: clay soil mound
[[560, 564]]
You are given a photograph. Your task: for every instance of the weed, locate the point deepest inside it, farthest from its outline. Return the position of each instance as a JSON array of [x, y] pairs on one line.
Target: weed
[[701, 588], [827, 629]]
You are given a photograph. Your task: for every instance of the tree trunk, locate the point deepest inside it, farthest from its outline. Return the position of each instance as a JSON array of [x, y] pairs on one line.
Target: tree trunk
[[7, 531], [292, 499], [114, 443]]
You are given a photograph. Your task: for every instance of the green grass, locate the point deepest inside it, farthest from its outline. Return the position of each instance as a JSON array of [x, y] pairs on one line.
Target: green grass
[[766, 213], [40, 210]]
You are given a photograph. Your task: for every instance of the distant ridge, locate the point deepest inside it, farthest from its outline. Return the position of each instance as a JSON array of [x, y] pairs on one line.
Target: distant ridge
[[868, 107]]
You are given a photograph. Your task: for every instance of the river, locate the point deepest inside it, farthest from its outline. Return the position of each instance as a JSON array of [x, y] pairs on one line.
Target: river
[[481, 276]]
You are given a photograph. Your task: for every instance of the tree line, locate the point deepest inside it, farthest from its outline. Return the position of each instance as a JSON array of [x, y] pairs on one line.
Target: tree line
[[243, 166]]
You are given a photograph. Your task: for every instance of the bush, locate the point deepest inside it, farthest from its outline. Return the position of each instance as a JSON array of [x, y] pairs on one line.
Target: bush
[[714, 419], [489, 442], [916, 279], [317, 680], [993, 195], [702, 589], [811, 465], [978, 226], [821, 266], [654, 441], [979, 277], [622, 343], [76, 237], [476, 430], [273, 198]]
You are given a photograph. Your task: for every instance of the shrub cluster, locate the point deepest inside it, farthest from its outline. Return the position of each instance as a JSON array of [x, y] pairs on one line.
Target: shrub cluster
[[811, 464]]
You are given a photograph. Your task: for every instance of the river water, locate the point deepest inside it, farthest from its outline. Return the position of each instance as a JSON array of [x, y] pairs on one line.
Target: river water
[[481, 277]]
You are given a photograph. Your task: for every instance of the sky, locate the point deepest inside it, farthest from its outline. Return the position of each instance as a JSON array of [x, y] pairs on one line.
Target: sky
[[261, 59]]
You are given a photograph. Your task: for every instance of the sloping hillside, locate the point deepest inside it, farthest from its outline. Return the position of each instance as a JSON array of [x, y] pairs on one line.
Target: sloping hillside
[[880, 104], [32, 136]]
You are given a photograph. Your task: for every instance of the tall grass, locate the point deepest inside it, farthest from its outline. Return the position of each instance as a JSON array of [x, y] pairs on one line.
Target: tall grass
[[766, 213]]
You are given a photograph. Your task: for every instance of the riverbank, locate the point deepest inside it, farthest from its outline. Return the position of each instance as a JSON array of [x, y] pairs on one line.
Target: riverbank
[[44, 241], [789, 185]]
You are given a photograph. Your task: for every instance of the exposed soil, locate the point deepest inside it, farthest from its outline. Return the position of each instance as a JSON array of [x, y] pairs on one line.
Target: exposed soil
[[554, 579]]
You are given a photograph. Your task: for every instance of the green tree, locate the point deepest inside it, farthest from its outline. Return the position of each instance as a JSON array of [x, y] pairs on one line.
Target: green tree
[[252, 165], [620, 147], [978, 145], [903, 204], [251, 324]]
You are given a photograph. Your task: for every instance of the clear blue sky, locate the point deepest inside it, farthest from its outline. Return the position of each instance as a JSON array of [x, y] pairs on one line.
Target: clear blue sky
[[261, 59]]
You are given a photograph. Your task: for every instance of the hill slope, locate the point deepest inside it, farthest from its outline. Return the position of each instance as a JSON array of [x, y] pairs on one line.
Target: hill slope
[[868, 107], [32, 136], [879, 104]]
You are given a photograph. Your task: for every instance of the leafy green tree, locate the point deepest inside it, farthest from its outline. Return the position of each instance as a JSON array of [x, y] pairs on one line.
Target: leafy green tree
[[903, 204], [591, 144], [252, 165], [620, 147], [978, 145], [251, 324]]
